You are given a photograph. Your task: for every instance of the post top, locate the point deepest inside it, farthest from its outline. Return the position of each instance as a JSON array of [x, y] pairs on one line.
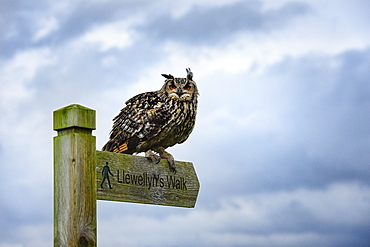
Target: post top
[[74, 116]]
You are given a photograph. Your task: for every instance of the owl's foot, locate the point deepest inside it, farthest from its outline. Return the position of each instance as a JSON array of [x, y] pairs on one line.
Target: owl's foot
[[165, 155], [152, 156]]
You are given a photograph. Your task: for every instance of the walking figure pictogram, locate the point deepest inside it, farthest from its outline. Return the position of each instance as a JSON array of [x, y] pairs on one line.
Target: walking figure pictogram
[[105, 173]]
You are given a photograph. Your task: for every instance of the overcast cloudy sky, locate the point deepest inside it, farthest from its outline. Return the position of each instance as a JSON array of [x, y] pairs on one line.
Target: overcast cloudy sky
[[282, 140]]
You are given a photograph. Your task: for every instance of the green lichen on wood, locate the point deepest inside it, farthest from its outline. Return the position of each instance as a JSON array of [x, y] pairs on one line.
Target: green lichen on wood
[[74, 116], [136, 179], [74, 177]]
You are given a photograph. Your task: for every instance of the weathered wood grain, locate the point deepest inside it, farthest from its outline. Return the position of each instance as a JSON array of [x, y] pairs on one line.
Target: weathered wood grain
[[135, 179], [74, 177]]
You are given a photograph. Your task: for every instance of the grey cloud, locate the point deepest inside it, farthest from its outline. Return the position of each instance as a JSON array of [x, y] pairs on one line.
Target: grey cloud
[[203, 25], [320, 135], [18, 20], [266, 219], [15, 23]]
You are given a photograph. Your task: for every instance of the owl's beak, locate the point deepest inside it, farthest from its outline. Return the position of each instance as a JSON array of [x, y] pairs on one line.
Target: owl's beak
[[179, 92]]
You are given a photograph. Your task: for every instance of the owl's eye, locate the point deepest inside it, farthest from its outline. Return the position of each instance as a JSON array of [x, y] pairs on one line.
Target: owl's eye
[[172, 87], [187, 87]]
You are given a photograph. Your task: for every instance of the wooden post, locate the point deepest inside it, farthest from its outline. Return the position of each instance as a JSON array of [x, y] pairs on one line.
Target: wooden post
[[74, 177]]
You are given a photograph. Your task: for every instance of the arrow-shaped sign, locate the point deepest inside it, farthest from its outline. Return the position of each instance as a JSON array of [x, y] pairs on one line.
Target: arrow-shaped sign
[[131, 178]]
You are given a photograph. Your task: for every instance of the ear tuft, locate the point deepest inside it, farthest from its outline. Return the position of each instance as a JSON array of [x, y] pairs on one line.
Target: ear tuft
[[189, 75], [169, 76]]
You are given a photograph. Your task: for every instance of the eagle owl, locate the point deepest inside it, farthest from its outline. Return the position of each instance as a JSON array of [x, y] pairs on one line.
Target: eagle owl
[[154, 121]]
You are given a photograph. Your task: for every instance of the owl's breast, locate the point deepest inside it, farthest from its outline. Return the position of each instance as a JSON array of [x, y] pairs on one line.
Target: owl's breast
[[176, 129], [183, 122]]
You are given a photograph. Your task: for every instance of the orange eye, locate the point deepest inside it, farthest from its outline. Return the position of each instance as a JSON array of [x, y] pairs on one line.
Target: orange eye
[[172, 87], [187, 87]]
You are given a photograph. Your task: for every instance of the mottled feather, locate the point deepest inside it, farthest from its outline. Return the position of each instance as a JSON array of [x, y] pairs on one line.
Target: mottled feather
[[154, 121]]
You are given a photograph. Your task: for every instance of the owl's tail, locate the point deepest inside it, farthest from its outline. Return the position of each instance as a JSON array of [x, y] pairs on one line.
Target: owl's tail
[[112, 146]]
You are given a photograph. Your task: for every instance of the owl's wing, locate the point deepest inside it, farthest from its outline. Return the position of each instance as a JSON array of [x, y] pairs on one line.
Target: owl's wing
[[143, 117]]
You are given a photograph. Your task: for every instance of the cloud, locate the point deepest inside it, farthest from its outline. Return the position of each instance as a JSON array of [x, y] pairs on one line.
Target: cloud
[[18, 75], [26, 26], [297, 123], [206, 25], [46, 27], [301, 217], [112, 35]]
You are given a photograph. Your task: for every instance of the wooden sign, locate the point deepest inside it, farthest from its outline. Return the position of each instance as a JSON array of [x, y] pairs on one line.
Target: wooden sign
[[131, 178]]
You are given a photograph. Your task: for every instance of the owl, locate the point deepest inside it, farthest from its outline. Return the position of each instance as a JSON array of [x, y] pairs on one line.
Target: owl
[[153, 121]]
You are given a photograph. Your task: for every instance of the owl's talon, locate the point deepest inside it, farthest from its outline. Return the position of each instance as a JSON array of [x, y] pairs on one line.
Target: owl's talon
[[152, 157], [171, 161], [172, 167]]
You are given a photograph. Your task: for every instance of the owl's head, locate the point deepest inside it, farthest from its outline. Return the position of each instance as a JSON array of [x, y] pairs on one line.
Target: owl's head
[[182, 89]]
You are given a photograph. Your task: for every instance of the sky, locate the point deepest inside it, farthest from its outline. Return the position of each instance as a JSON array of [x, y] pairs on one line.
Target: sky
[[281, 144]]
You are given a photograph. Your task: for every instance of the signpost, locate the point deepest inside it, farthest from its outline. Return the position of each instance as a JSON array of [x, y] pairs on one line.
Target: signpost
[[83, 175], [136, 179]]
